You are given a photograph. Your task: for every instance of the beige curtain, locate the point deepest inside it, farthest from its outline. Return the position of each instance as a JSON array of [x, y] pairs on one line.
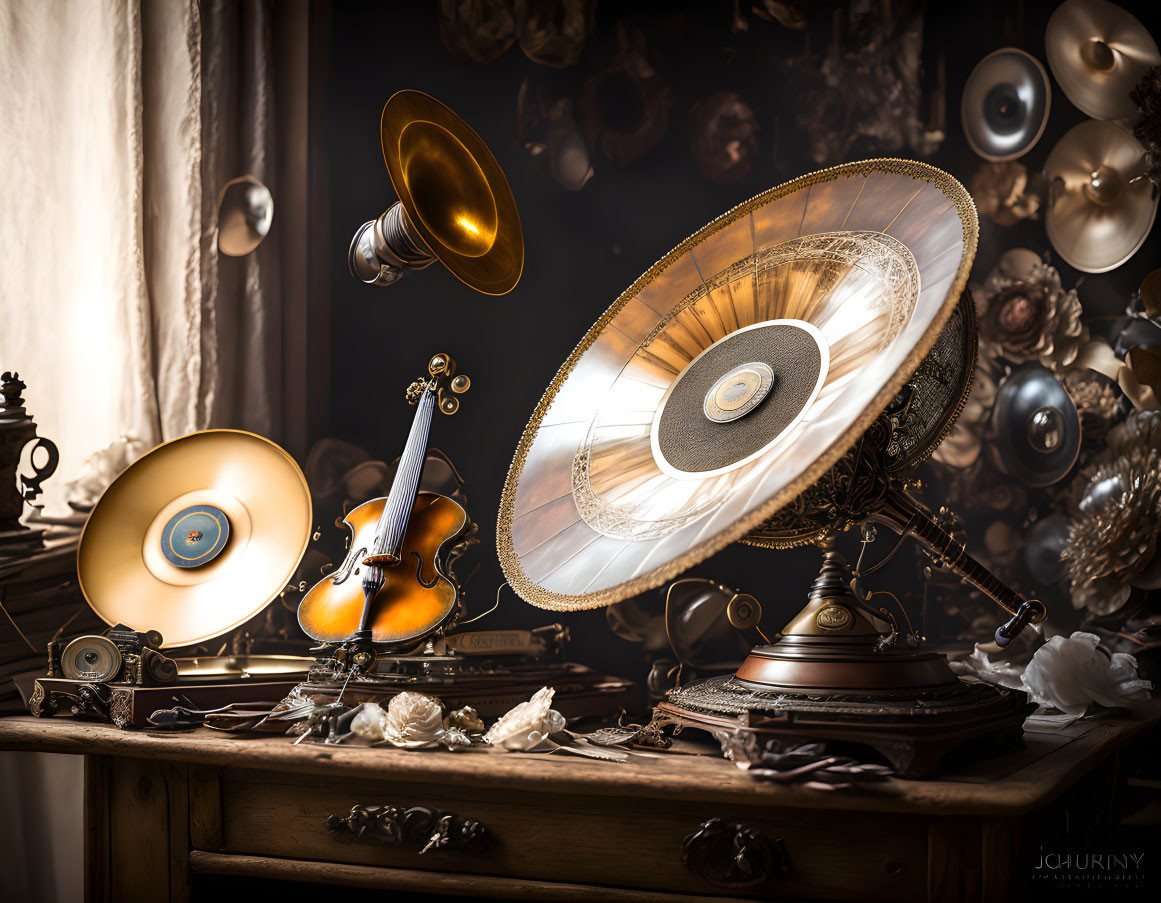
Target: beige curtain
[[122, 120]]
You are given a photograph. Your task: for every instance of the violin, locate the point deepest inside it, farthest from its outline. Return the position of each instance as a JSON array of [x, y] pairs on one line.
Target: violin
[[393, 587]]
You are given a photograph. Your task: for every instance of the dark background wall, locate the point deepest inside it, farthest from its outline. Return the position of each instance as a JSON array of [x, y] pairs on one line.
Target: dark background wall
[[584, 247]]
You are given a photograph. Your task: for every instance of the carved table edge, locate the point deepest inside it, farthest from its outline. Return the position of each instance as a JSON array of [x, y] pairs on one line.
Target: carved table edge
[[1025, 789]]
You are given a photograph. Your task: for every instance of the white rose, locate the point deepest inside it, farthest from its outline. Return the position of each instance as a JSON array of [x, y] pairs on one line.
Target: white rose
[[370, 721], [413, 720], [527, 726], [1071, 673]]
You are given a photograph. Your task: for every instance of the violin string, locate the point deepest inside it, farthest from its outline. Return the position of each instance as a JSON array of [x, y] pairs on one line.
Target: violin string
[[396, 512]]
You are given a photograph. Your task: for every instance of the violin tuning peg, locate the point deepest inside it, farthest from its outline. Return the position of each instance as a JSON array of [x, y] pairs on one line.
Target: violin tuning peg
[[449, 404], [461, 384], [441, 365]]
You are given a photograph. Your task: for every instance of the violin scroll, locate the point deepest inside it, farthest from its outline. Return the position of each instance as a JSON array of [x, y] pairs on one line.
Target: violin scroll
[[445, 382]]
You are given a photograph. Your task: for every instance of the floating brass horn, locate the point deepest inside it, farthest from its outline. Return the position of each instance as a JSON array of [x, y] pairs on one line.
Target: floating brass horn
[[455, 205], [1005, 104]]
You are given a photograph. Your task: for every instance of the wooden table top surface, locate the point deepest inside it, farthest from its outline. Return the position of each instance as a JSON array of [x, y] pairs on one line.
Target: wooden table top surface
[[1006, 784]]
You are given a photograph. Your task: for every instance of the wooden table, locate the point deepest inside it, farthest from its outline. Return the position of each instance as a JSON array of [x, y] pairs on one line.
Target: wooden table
[[164, 807]]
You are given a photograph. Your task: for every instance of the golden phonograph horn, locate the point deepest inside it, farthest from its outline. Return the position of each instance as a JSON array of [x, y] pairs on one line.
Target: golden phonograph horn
[[1005, 105], [196, 537], [1101, 202], [1098, 52], [773, 380], [455, 205]]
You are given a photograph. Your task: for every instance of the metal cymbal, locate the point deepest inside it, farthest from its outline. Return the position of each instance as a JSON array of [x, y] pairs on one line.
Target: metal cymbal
[[1037, 426], [1005, 105], [803, 311], [196, 537], [455, 194], [1098, 52], [1100, 204]]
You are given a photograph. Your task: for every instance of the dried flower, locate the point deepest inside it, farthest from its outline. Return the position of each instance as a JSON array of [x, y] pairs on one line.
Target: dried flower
[[1097, 401], [1147, 96], [724, 136], [1139, 431], [867, 94], [370, 721], [553, 32], [527, 727], [477, 30], [1003, 667], [1026, 314], [412, 721], [465, 719], [962, 445], [1113, 534], [1072, 673], [1006, 193], [624, 107]]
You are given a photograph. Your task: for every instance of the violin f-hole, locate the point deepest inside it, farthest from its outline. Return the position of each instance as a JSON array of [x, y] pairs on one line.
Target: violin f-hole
[[419, 575]]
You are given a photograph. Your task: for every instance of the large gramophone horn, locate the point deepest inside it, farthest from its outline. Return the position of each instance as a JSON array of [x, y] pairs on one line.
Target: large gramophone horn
[[196, 537], [1101, 204], [773, 379], [1005, 104], [454, 206], [1098, 52]]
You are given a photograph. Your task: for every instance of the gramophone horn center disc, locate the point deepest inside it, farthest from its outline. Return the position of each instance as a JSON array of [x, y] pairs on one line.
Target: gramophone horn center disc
[[739, 397], [195, 536], [738, 392]]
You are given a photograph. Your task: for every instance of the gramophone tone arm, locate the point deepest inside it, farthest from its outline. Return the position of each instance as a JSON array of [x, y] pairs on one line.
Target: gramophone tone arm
[[904, 514]]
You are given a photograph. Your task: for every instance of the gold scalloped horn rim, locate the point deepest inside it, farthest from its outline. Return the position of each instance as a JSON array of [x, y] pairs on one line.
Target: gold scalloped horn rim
[[537, 595]]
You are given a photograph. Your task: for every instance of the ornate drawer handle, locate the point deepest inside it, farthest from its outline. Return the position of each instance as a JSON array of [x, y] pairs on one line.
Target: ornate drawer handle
[[729, 854], [419, 826]]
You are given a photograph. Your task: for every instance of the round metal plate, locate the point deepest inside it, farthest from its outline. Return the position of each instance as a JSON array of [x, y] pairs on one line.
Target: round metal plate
[[1005, 105], [258, 489]]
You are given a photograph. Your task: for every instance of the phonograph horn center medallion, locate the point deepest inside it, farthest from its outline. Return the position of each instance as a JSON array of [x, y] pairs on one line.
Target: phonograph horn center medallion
[[738, 392], [195, 536], [738, 398]]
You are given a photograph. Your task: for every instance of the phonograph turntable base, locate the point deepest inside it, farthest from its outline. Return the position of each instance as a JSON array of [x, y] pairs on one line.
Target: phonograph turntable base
[[913, 733], [127, 705]]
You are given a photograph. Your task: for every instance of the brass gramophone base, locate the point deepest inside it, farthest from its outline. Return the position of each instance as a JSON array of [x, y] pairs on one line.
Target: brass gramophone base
[[838, 673], [913, 733], [838, 646], [834, 668]]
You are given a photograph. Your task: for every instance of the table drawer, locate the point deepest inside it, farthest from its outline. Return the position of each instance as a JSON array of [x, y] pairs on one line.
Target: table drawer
[[596, 840]]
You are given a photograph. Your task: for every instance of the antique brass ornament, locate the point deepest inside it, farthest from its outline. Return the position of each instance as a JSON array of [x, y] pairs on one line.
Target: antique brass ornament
[[832, 312], [1005, 105], [245, 212], [455, 205], [196, 537], [1098, 53], [1101, 202]]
